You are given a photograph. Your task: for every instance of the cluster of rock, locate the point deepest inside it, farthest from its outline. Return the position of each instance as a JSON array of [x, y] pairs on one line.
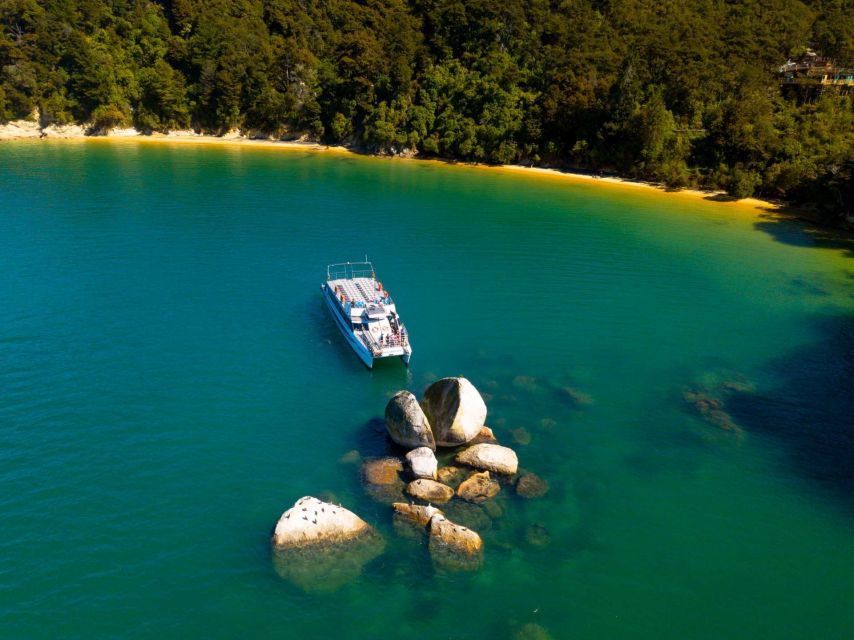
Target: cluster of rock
[[450, 415], [444, 503]]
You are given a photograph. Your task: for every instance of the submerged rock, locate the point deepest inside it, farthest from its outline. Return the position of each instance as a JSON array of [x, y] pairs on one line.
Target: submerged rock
[[327, 568], [548, 423], [526, 383], [577, 398], [351, 457], [521, 436], [537, 535], [312, 521], [530, 485], [532, 631], [455, 410], [430, 491], [702, 402], [382, 471], [738, 386], [406, 422], [453, 546], [451, 476], [382, 479], [478, 488], [490, 457], [469, 514], [711, 409], [493, 508], [422, 463]]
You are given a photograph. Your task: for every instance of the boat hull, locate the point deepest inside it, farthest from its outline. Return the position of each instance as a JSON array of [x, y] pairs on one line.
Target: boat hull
[[355, 344]]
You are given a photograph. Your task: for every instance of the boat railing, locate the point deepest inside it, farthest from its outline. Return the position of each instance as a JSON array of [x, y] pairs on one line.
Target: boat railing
[[349, 270], [392, 340]]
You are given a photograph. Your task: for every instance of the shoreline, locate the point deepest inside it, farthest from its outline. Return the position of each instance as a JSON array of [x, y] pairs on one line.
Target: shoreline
[[21, 131]]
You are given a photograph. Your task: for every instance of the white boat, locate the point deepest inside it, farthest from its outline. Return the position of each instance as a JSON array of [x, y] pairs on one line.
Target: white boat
[[365, 312]]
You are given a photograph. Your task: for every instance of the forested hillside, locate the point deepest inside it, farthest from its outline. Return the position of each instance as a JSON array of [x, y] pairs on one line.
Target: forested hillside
[[682, 92]]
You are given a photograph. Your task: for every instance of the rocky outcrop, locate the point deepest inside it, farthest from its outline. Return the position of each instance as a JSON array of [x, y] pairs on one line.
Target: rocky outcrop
[[422, 463], [478, 488], [530, 485], [312, 521], [321, 546], [454, 547], [490, 457], [430, 491], [406, 423], [455, 410]]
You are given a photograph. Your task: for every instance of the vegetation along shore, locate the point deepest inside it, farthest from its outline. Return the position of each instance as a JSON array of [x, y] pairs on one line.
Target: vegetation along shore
[[705, 95], [30, 130]]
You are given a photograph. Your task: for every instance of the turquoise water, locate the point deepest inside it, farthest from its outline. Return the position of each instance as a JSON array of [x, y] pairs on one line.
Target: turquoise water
[[171, 383]]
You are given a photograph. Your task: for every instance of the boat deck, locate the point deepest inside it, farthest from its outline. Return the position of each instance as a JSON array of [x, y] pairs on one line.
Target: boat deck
[[358, 289]]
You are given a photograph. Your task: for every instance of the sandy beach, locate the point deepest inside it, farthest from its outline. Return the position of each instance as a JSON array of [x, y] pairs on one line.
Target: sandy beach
[[26, 130]]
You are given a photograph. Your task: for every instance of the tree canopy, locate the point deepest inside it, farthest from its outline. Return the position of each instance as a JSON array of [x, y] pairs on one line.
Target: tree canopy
[[665, 90]]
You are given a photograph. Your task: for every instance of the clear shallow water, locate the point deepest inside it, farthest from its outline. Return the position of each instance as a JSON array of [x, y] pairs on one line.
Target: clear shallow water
[[171, 383]]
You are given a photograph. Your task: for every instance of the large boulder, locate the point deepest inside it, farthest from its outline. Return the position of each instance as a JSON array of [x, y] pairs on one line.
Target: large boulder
[[430, 491], [455, 409], [406, 423], [478, 488], [490, 457], [422, 463], [320, 546], [453, 546], [312, 521]]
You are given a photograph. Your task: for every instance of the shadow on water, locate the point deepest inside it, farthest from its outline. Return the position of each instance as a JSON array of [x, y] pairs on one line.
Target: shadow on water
[[790, 227], [811, 410]]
